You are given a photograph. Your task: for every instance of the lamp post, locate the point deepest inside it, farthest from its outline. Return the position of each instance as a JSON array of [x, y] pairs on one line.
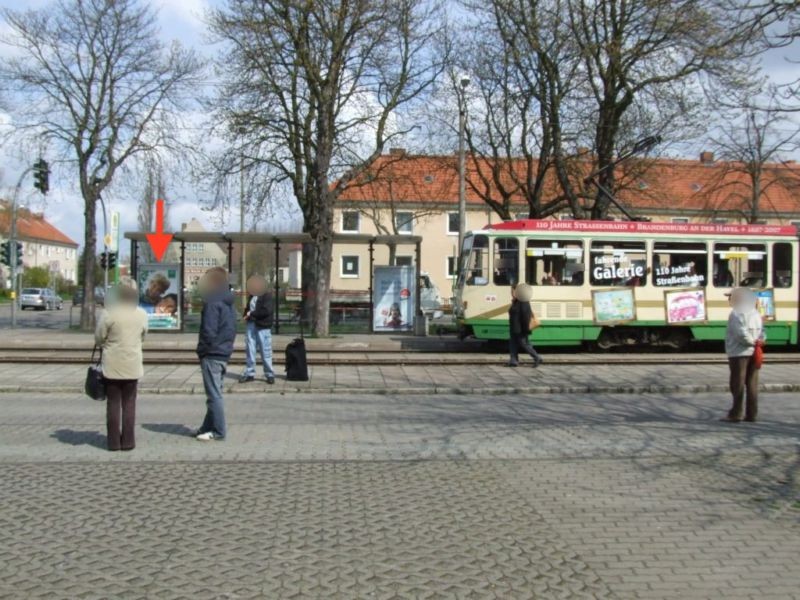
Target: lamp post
[[462, 185], [243, 265]]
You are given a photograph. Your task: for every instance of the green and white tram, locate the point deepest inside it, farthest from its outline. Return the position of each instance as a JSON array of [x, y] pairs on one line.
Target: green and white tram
[[667, 282]]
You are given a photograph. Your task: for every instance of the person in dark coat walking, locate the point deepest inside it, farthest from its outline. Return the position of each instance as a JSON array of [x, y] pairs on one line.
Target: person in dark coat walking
[[519, 325], [214, 348], [258, 316]]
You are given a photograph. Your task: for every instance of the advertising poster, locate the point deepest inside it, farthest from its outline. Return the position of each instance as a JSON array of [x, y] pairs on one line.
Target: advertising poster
[[766, 304], [613, 306], [393, 299], [685, 307], [159, 288]]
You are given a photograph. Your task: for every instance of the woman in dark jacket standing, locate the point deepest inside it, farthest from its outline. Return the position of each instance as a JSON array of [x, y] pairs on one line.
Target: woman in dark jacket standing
[[120, 333], [519, 324]]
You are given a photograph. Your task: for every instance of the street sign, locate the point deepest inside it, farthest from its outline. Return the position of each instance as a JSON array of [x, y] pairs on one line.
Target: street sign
[[107, 240], [54, 266], [114, 233]]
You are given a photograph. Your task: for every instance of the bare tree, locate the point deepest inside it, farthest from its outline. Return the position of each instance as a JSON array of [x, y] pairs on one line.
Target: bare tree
[[154, 189], [313, 89], [636, 51], [753, 148], [93, 78]]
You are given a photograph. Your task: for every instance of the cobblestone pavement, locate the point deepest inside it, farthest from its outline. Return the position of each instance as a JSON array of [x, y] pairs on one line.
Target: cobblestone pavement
[[418, 379], [381, 496]]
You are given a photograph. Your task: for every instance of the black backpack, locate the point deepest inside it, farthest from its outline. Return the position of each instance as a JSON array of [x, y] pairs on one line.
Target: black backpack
[[296, 359]]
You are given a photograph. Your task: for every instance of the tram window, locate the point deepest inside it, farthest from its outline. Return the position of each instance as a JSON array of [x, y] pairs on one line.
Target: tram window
[[477, 265], [554, 263], [782, 265], [618, 263], [678, 264], [506, 261], [740, 264]]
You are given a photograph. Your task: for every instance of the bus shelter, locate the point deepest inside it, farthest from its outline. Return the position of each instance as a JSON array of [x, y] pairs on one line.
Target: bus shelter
[[277, 241]]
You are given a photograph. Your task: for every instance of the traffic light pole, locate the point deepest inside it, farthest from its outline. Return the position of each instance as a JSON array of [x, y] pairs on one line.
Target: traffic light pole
[[12, 251]]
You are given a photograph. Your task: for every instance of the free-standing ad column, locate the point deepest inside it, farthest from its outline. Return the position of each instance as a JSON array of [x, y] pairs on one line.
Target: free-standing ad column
[[159, 285], [393, 299]]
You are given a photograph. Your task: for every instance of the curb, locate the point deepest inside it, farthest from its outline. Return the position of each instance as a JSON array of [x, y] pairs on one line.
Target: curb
[[436, 390]]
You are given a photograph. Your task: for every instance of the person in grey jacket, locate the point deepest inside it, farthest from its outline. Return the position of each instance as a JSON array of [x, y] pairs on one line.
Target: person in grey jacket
[[745, 330], [119, 333], [214, 348]]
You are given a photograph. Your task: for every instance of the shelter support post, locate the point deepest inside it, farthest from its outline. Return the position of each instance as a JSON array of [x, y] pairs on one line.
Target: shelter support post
[[230, 257], [277, 300], [420, 322], [371, 284], [182, 288], [134, 260]]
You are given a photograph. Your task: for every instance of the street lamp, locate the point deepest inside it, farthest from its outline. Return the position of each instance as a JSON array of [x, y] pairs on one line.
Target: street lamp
[[242, 130], [462, 189]]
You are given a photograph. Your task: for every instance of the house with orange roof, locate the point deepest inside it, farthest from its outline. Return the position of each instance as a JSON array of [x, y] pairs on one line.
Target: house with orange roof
[[43, 244], [418, 194]]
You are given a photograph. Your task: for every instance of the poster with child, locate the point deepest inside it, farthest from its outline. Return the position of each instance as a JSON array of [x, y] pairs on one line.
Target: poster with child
[[158, 294]]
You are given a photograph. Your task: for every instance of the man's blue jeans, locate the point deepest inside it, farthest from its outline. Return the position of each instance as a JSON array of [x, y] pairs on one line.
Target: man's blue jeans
[[213, 371], [258, 339]]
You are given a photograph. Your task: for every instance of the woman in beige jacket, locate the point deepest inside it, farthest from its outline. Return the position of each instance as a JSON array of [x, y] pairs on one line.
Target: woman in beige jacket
[[120, 333]]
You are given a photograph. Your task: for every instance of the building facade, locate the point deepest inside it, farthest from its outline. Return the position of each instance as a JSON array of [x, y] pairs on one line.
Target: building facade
[[43, 245], [200, 256], [418, 195]]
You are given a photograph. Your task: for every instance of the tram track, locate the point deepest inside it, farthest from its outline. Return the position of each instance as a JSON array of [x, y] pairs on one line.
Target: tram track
[[384, 357]]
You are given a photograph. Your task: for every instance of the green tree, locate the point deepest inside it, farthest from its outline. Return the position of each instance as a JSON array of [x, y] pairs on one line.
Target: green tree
[[36, 277]]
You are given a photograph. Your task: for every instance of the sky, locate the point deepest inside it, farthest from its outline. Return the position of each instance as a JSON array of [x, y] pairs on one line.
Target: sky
[[184, 20]]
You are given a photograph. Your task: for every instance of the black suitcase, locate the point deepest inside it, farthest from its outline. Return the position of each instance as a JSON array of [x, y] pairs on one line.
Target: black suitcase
[[296, 359]]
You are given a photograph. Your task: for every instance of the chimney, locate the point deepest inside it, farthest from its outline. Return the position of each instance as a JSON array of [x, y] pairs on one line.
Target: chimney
[[397, 151], [706, 157]]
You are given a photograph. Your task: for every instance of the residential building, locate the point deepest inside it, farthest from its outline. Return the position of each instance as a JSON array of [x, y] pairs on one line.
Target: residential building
[[413, 194], [43, 244], [200, 256]]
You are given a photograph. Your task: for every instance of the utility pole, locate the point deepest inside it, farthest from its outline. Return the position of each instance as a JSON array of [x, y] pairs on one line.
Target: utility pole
[[462, 185]]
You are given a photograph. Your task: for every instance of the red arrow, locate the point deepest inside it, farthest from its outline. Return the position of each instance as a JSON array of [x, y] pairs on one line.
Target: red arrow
[[159, 240]]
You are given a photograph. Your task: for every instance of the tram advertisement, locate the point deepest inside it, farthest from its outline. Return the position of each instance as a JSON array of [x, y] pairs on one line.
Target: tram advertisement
[[686, 306], [159, 288], [393, 298], [766, 303], [613, 306]]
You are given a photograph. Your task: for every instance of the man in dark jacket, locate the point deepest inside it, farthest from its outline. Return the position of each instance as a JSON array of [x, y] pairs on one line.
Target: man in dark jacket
[[258, 316], [519, 324], [214, 347]]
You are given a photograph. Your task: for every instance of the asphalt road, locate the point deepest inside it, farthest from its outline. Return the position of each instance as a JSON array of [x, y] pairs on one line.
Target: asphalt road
[[41, 319], [383, 496]]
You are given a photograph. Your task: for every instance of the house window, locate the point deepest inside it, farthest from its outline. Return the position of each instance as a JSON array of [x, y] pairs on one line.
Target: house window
[[403, 261], [452, 223], [350, 266], [451, 267], [404, 222], [350, 221]]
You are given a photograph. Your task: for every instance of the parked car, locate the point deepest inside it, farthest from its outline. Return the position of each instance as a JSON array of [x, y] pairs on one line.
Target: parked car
[[99, 296], [40, 298]]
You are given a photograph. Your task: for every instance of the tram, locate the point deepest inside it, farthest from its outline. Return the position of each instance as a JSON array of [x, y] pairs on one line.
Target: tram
[[620, 283]]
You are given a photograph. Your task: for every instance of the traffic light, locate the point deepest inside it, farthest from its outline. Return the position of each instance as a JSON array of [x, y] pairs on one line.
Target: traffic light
[[104, 260], [19, 254], [41, 175], [5, 253], [112, 260]]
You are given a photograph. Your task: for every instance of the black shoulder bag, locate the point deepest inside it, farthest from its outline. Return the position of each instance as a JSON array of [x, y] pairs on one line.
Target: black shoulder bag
[[95, 386]]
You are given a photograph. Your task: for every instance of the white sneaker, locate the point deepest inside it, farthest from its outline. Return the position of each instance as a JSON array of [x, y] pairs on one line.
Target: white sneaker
[[208, 436]]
